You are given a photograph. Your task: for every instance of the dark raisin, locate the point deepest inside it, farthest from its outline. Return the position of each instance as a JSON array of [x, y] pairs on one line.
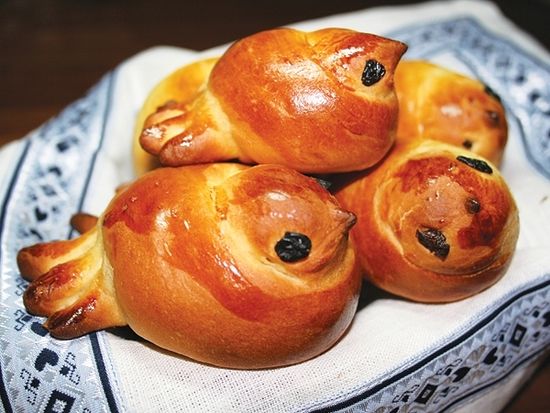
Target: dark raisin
[[492, 93], [472, 205], [434, 241], [293, 247], [477, 164], [373, 72], [467, 143], [493, 117]]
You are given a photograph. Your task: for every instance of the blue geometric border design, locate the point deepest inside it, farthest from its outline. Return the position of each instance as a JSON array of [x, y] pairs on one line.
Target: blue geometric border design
[[515, 332], [49, 185]]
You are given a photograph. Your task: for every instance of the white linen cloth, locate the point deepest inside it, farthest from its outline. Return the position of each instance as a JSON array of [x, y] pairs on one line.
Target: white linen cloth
[[399, 356]]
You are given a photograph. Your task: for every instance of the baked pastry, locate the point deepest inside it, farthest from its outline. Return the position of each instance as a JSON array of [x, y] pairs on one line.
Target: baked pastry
[[182, 86], [434, 224], [236, 266], [317, 102], [437, 103]]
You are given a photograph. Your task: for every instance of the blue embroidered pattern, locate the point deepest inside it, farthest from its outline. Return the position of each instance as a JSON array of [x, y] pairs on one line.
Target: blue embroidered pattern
[[516, 332], [47, 188]]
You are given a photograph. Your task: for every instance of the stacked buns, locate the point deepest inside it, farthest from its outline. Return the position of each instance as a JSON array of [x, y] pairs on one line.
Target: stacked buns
[[317, 102], [243, 267], [225, 252], [434, 224], [436, 220]]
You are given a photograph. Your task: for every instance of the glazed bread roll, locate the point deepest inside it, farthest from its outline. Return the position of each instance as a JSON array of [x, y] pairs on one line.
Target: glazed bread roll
[[437, 103], [317, 102], [434, 224], [182, 86], [236, 266]]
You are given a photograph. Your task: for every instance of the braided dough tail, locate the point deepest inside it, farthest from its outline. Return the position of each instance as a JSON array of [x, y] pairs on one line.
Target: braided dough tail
[[181, 86], [70, 285]]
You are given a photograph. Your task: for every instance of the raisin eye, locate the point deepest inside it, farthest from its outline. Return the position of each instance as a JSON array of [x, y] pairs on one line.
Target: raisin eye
[[477, 164], [434, 241], [293, 247], [467, 144], [472, 206], [373, 72], [493, 117]]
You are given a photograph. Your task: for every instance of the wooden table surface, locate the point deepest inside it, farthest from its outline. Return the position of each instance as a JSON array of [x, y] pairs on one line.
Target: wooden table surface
[[52, 51]]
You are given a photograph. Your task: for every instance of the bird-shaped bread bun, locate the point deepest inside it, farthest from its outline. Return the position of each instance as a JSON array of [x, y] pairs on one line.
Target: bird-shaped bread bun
[[317, 102], [434, 222], [231, 265], [438, 103]]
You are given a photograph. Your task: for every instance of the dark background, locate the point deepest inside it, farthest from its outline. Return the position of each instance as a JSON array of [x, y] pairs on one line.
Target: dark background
[[52, 52]]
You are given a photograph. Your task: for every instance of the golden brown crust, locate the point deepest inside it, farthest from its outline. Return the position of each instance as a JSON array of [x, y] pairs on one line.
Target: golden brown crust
[[83, 222], [287, 97], [431, 227], [71, 284], [195, 270], [189, 258], [182, 86], [36, 260], [437, 103]]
